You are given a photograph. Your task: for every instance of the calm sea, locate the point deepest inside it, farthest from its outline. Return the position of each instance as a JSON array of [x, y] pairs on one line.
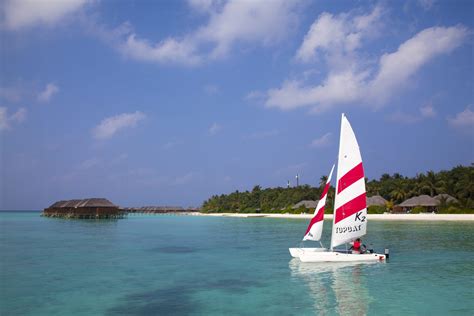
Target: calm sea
[[180, 265]]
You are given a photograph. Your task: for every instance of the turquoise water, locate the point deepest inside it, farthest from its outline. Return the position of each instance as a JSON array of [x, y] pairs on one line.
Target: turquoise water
[[180, 265]]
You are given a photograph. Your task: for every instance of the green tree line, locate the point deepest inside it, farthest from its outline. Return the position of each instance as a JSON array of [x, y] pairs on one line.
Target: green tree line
[[457, 182]]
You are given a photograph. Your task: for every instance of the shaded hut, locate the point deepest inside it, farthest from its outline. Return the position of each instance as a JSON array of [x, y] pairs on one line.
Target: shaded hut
[[446, 198], [95, 208], [430, 204], [376, 200], [306, 203]]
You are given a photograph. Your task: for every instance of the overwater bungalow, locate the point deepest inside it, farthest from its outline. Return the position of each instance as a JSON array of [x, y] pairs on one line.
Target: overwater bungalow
[[95, 208]]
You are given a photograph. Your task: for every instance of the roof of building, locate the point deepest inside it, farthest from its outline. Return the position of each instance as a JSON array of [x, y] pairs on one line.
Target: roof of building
[[376, 200], [306, 203], [422, 200], [93, 202], [447, 197]]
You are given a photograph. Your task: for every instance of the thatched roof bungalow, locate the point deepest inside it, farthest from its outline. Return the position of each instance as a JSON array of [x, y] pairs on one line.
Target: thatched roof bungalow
[[446, 197], [94, 208], [376, 200], [306, 203], [426, 201]]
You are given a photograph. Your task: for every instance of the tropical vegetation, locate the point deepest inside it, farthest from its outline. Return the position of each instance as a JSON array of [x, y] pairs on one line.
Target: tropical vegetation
[[457, 182]]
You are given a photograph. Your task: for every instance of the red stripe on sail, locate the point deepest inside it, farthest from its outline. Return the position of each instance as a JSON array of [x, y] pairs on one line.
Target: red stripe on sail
[[353, 206], [350, 177], [320, 214], [326, 189], [319, 217]]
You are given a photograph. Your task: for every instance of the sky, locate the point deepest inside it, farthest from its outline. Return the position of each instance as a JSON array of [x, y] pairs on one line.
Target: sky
[[170, 102]]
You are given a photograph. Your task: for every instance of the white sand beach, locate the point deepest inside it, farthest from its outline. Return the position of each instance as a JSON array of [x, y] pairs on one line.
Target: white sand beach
[[381, 217]]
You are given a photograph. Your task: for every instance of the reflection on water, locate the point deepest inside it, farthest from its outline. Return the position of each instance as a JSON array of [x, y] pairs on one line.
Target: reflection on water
[[334, 287]]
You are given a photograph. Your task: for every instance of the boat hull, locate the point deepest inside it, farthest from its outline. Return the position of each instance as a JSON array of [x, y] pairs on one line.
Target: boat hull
[[297, 252], [332, 256]]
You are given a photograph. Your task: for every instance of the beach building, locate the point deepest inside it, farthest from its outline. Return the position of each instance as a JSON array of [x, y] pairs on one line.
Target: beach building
[[306, 203], [430, 204], [447, 198], [94, 208], [376, 200]]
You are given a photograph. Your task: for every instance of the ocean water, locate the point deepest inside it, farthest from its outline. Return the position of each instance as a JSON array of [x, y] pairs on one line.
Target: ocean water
[[190, 265]]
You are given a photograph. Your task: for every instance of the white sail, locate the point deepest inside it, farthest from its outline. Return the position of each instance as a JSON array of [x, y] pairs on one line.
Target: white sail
[[315, 228], [350, 205]]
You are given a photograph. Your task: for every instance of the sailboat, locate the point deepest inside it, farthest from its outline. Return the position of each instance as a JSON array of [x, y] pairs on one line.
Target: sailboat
[[350, 205], [315, 227]]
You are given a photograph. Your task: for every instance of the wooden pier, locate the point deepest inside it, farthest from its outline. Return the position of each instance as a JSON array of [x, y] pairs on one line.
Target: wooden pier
[[160, 210]]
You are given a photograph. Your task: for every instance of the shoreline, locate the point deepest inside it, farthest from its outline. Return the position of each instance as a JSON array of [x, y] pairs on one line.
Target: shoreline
[[376, 217], [380, 217]]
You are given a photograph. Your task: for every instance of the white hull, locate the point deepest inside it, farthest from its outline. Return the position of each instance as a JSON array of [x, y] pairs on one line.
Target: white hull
[[297, 252], [332, 256]]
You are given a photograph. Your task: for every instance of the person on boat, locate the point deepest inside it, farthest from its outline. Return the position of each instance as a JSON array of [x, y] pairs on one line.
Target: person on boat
[[357, 246]]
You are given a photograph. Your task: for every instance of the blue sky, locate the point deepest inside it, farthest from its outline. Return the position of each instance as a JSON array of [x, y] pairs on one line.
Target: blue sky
[[170, 102]]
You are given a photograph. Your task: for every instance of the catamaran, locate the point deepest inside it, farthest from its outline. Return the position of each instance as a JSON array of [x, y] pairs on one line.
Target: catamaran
[[350, 205], [315, 227]]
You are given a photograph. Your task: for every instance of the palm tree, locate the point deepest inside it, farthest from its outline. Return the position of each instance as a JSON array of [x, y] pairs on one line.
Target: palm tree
[[322, 181], [398, 194], [432, 183]]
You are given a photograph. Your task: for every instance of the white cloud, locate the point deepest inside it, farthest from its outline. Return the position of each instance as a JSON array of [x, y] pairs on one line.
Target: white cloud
[[425, 112], [248, 21], [351, 85], [169, 50], [229, 23], [428, 111], [338, 36], [322, 141], [20, 14], [214, 129], [336, 89], [6, 120], [464, 119], [111, 125], [396, 68], [323, 33], [48, 92], [19, 116]]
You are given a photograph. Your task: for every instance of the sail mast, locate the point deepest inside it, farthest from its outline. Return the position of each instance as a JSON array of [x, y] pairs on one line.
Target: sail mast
[[337, 186]]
